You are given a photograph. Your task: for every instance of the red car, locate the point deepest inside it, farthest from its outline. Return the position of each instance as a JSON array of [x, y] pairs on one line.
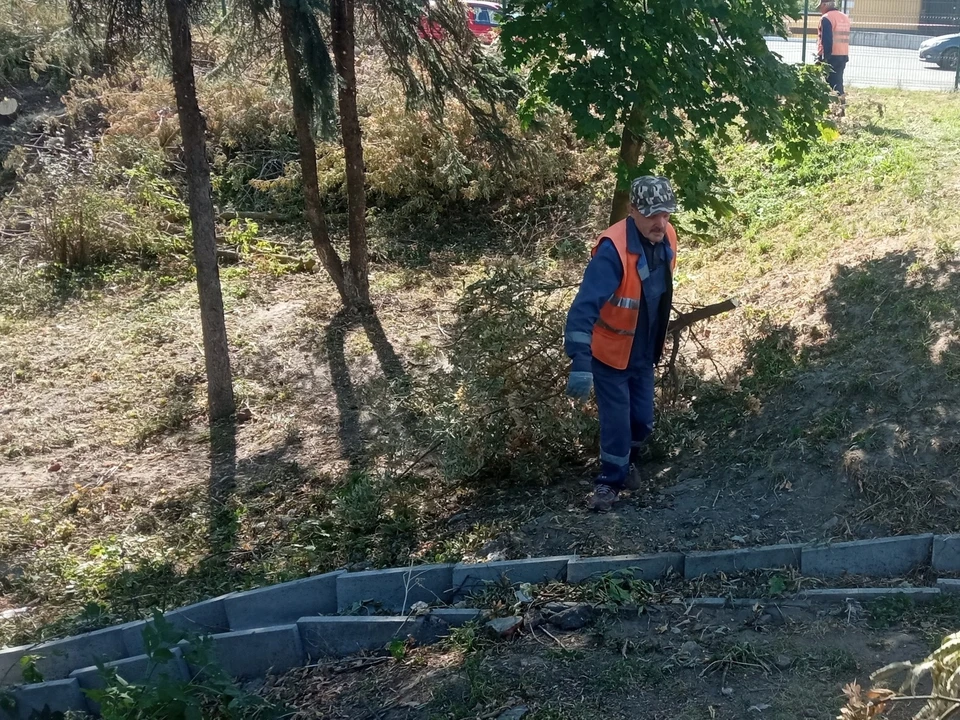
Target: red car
[[483, 20]]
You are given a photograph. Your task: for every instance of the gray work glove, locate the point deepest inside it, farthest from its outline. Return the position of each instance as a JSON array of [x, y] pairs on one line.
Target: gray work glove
[[579, 385]]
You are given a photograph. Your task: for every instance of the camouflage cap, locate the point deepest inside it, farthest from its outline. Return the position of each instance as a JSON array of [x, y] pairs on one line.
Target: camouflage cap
[[652, 194]]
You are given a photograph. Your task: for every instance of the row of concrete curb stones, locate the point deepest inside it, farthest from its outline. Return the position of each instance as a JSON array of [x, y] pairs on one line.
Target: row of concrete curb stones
[[280, 627]]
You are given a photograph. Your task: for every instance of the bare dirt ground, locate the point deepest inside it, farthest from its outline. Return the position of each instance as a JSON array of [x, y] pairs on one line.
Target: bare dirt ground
[[665, 664]]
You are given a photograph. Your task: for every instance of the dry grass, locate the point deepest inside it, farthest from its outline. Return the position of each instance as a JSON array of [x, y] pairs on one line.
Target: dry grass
[[789, 410]]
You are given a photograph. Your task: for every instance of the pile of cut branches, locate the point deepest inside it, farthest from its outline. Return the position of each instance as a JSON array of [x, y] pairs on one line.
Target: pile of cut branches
[[939, 672]]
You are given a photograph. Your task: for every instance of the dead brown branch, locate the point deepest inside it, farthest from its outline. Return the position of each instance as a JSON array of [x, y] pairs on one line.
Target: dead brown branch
[[685, 320], [681, 322]]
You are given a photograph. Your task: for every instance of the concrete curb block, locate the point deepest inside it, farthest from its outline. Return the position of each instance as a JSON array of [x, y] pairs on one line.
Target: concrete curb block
[[731, 562], [712, 602], [209, 616], [202, 618], [133, 637], [397, 589], [727, 602], [10, 664], [467, 579], [829, 595], [138, 669], [135, 670], [331, 637], [884, 557], [282, 604], [247, 654], [644, 567], [58, 658], [58, 695], [946, 553], [948, 586], [278, 627]]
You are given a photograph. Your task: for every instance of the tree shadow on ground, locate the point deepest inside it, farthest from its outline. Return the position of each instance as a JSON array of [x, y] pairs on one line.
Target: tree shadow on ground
[[352, 436], [889, 416], [846, 426], [348, 404], [222, 485], [888, 132], [862, 421], [862, 418], [173, 415]]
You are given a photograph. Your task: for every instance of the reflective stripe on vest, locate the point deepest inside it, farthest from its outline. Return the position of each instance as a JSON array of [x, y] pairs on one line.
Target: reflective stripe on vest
[[840, 24], [623, 302], [601, 323], [612, 339]]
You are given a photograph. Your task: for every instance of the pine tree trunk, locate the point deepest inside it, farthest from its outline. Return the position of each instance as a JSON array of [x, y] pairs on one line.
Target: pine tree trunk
[[631, 142], [302, 117], [344, 51], [220, 401]]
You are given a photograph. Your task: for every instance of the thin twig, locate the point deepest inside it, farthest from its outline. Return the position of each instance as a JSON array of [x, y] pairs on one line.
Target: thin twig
[[533, 632], [554, 638], [433, 446], [908, 698], [950, 712], [504, 408], [708, 355], [672, 367], [363, 664], [879, 305]]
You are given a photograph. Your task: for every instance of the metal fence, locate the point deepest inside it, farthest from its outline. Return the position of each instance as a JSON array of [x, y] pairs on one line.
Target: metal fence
[[886, 42]]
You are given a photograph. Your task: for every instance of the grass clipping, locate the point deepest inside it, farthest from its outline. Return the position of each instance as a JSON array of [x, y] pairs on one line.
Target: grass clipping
[[941, 668]]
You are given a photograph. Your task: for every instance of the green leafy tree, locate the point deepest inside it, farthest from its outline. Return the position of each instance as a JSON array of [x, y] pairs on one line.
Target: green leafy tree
[[662, 79]]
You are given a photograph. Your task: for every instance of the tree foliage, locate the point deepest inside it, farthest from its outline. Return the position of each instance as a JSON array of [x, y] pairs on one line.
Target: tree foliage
[[448, 62], [429, 49], [680, 72]]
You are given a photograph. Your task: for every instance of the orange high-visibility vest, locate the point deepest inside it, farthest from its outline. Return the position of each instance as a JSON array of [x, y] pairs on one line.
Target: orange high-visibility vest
[[614, 330], [841, 33]]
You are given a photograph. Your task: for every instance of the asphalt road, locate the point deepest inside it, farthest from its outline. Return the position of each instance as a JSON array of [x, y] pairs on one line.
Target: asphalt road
[[872, 67]]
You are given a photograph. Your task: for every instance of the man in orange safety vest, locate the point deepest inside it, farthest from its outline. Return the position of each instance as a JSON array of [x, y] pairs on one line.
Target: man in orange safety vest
[[833, 46], [616, 328]]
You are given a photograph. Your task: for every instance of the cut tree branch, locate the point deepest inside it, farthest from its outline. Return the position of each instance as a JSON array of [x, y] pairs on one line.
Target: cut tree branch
[[685, 320]]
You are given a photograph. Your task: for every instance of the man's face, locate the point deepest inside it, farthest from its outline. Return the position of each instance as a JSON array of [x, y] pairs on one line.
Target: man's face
[[653, 228]]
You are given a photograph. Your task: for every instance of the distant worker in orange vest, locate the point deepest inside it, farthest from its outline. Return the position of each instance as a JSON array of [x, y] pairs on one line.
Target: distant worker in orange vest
[[616, 329], [833, 46]]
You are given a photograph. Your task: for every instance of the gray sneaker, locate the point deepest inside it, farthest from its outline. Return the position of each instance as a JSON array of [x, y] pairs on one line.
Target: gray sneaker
[[602, 498], [633, 481]]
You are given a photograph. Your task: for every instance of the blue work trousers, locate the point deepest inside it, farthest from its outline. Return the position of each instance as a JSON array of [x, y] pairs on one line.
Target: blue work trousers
[[625, 407]]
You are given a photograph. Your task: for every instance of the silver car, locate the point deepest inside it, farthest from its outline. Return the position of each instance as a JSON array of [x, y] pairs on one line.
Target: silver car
[[943, 50]]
